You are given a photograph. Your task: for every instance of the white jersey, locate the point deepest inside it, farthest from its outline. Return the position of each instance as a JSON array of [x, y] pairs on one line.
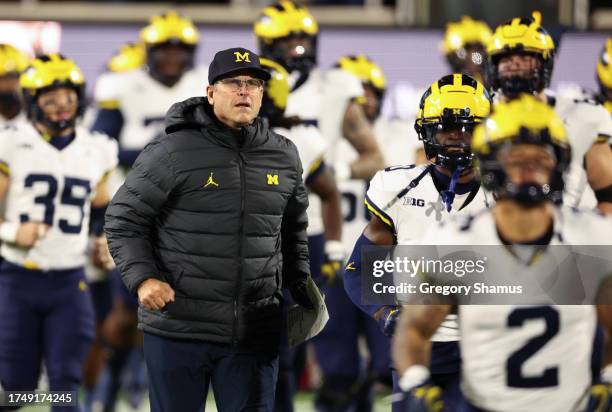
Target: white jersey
[[321, 101], [311, 148], [398, 142], [585, 122], [54, 187], [416, 213], [527, 358], [144, 101], [15, 121]]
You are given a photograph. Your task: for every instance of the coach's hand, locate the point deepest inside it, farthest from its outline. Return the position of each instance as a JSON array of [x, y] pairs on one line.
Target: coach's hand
[[299, 293], [154, 294], [29, 233]]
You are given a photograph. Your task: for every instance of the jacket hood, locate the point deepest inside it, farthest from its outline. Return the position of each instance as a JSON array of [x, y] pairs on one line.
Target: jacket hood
[[197, 113]]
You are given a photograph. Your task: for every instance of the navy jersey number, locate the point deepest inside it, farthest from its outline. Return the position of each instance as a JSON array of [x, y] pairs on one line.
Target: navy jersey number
[[550, 376], [67, 198]]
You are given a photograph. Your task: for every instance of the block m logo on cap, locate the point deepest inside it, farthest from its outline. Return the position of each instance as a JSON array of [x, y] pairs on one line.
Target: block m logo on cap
[[242, 57]]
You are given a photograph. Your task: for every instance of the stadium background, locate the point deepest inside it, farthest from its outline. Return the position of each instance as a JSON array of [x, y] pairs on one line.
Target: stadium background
[[405, 40]]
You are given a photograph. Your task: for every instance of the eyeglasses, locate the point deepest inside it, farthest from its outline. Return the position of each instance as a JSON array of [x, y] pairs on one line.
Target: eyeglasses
[[236, 84], [55, 101]]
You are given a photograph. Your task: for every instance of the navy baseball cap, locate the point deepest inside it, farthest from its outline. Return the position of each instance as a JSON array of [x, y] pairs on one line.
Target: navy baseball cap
[[235, 60]]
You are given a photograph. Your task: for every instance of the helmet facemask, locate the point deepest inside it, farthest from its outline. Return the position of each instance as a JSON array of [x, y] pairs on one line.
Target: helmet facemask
[[55, 127], [10, 95], [168, 62], [532, 82], [296, 52], [470, 60], [527, 171], [447, 139]]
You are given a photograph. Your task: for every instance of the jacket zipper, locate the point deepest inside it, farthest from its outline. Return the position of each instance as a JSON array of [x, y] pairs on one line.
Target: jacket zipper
[[240, 236]]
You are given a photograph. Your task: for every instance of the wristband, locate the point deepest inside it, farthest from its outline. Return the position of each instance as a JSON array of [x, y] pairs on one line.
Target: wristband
[[334, 249], [606, 374], [8, 231], [416, 375]]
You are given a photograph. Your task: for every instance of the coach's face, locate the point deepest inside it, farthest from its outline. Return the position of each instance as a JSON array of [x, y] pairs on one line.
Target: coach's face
[[236, 100]]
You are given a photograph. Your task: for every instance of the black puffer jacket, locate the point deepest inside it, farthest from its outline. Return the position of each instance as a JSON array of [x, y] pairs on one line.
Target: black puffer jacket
[[219, 214]]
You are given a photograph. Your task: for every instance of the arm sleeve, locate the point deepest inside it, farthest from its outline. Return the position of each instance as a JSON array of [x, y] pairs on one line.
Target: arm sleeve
[[352, 277], [296, 260], [108, 121], [131, 215]]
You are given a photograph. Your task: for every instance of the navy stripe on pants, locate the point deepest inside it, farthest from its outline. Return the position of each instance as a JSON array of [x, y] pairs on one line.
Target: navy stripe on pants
[[180, 372]]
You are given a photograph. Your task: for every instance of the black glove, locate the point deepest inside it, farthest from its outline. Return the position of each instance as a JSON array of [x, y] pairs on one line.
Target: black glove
[[299, 293]]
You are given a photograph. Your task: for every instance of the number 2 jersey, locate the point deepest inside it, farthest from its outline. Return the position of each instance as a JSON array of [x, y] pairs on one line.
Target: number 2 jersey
[[526, 357], [54, 187]]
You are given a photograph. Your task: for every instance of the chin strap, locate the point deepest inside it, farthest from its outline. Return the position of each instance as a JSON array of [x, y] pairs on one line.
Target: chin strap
[[448, 196]]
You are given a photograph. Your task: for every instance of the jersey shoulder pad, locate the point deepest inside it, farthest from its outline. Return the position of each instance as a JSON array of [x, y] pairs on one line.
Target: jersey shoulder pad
[[106, 148], [199, 75], [110, 87], [343, 84], [384, 188], [584, 227]]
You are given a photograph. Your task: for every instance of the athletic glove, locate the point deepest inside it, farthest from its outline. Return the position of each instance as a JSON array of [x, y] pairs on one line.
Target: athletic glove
[[388, 319], [333, 262]]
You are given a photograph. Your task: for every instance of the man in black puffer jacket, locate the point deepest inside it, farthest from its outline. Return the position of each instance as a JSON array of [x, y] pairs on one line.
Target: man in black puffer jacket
[[208, 227]]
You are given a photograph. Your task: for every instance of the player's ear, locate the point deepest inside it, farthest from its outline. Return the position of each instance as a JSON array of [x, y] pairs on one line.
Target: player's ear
[[209, 94]]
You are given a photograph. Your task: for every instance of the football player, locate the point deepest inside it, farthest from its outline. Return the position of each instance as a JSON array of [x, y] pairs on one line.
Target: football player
[[406, 201], [131, 56], [53, 183], [523, 152], [132, 104], [604, 76], [465, 47], [521, 61], [392, 135], [320, 181], [287, 33], [12, 63]]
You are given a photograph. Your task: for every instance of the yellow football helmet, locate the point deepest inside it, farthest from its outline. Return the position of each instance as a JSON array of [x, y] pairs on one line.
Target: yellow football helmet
[[524, 120], [130, 56], [522, 36], [169, 31], [12, 61], [285, 20], [169, 27], [464, 46], [365, 70], [49, 72], [455, 102], [604, 75], [372, 78], [275, 95]]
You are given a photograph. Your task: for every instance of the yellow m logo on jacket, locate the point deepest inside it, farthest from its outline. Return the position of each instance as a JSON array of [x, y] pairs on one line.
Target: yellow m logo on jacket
[[272, 179]]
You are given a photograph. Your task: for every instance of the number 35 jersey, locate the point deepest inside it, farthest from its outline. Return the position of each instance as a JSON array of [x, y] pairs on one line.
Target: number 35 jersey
[[54, 187]]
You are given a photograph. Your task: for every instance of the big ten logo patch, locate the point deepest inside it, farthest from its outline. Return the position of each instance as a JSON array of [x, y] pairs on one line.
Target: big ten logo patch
[[413, 201]]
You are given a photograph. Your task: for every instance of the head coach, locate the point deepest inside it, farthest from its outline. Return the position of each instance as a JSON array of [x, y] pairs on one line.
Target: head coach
[[208, 227]]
